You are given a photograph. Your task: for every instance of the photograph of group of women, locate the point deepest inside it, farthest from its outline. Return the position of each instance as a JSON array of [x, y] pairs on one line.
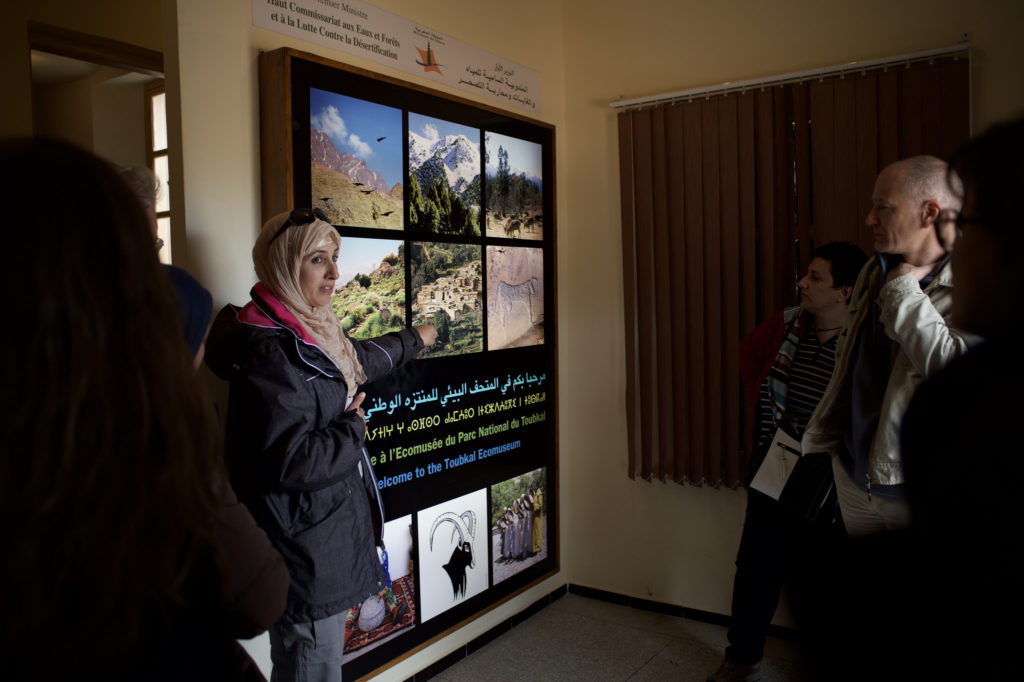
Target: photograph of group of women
[[518, 524]]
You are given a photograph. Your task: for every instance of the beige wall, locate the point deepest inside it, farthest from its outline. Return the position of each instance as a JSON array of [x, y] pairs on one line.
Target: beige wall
[[666, 542], [119, 119], [136, 22], [104, 112], [65, 111]]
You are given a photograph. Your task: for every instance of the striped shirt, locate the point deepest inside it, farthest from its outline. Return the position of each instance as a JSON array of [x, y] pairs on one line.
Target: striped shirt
[[808, 376]]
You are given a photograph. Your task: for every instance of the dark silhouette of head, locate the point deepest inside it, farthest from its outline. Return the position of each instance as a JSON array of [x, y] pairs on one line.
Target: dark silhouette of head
[[991, 243], [109, 456]]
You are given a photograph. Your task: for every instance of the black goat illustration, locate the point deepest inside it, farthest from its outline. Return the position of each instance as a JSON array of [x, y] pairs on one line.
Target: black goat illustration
[[462, 557]]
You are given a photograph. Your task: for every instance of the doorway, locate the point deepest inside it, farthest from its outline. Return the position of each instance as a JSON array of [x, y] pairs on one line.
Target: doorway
[[108, 97]]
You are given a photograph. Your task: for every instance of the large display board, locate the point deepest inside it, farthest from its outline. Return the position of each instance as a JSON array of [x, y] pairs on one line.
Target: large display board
[[446, 212]]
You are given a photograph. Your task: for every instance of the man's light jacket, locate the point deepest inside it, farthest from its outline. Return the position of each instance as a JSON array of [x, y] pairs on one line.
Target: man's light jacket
[[918, 322]]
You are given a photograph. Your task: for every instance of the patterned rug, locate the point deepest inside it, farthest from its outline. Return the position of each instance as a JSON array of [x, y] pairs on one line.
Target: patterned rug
[[405, 593]]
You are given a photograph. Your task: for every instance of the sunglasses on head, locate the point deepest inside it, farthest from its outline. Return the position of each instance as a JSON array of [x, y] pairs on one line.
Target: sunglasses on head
[[300, 216]]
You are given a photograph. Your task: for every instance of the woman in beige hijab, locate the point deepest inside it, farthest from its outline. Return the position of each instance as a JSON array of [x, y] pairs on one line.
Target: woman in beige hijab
[[294, 435]]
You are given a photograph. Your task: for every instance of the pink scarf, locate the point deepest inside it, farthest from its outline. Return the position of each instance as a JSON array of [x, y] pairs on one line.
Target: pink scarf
[[277, 267]]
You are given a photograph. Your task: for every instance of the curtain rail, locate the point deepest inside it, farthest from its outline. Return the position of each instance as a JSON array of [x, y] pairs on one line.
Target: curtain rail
[[793, 77]]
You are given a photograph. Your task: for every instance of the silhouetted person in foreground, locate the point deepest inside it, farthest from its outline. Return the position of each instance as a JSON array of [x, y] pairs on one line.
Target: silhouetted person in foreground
[[115, 561], [953, 590]]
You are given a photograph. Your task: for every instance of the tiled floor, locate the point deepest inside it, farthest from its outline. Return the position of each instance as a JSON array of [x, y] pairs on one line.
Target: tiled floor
[[578, 638]]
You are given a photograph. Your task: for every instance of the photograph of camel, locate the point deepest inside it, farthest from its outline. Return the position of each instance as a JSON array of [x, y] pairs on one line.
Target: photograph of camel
[[515, 297], [452, 547], [515, 187], [369, 296], [356, 160], [444, 177], [518, 523], [446, 290]]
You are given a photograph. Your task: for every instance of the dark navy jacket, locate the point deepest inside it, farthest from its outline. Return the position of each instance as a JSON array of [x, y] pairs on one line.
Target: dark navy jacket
[[296, 457]]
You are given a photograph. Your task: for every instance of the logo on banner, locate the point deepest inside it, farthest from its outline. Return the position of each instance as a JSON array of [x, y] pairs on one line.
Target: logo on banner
[[429, 62]]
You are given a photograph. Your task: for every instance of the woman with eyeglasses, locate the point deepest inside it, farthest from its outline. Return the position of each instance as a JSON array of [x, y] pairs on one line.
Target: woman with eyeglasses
[[294, 435], [961, 434]]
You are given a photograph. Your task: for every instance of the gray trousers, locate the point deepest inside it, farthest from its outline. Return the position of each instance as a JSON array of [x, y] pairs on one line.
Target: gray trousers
[[309, 651]]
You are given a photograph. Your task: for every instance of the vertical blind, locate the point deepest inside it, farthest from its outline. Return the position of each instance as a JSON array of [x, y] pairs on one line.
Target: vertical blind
[[723, 199]]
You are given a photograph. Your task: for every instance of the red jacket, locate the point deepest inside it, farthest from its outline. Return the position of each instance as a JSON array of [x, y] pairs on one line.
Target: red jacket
[[756, 355]]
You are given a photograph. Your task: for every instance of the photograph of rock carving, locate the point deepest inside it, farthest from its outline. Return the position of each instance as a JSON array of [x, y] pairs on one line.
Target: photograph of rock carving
[[515, 297], [444, 177], [515, 187], [369, 296], [446, 290], [452, 548], [355, 151]]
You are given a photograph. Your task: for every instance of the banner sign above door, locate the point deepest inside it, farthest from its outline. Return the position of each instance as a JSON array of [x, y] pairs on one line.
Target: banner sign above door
[[363, 30]]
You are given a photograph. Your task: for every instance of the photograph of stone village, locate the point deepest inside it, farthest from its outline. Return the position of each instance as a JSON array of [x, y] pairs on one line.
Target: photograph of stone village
[[447, 285]]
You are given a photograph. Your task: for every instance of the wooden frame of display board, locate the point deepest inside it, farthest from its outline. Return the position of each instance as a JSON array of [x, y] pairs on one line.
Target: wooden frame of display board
[[446, 212]]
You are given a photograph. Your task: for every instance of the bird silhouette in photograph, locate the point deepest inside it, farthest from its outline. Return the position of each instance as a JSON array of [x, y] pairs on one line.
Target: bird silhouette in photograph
[[387, 213], [381, 139], [366, 191]]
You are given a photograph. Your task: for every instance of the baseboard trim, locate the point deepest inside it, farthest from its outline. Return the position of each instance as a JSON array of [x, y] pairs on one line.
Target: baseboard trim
[[670, 609]]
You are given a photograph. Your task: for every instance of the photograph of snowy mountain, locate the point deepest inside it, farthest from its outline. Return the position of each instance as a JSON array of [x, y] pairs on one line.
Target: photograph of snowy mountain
[[356, 160], [515, 204], [444, 177]]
